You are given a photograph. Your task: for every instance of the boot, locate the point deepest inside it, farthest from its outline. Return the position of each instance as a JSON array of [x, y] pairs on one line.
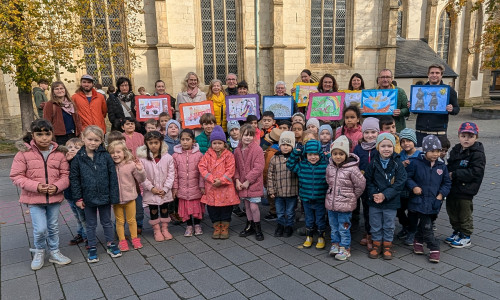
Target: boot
[[387, 253], [38, 259], [320, 245], [375, 252], [216, 234], [369, 242], [258, 232], [157, 231], [164, 228], [248, 230], [288, 231], [309, 238], [279, 230], [224, 230], [364, 240]]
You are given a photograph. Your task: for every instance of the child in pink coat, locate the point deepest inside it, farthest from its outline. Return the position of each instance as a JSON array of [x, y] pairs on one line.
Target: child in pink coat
[[189, 186], [160, 174], [352, 126]]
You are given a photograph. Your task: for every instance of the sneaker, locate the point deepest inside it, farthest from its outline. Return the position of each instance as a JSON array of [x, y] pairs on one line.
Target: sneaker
[[198, 230], [77, 239], [270, 217], [453, 237], [334, 249], [189, 231], [409, 239], [136, 243], [123, 245], [402, 234], [434, 256], [92, 255], [418, 248], [57, 258], [463, 241], [38, 259], [343, 254], [113, 250]]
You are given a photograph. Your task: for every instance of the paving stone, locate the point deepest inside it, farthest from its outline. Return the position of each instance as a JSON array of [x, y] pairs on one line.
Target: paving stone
[[250, 287], [287, 288], [385, 285], [438, 279], [409, 295], [326, 291], [243, 242], [159, 263], [116, 287], [16, 229], [266, 296], [146, 282], [147, 250], [11, 288], [260, 270], [185, 262], [354, 270], [380, 267], [14, 241], [51, 291], [46, 274], [411, 281], [474, 294], [444, 294], [423, 262], [479, 283], [102, 271], [292, 255], [474, 256], [13, 256], [231, 296], [456, 261], [402, 264], [232, 274], [273, 260], [325, 273], [169, 248], [218, 244], [357, 290], [72, 272], [16, 270], [197, 247], [132, 262], [488, 273], [257, 250], [213, 259], [86, 288], [209, 283], [297, 274], [270, 241], [161, 294], [237, 255], [184, 289]]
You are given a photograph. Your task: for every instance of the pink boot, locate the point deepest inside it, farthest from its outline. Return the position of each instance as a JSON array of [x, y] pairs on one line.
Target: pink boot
[[157, 231], [164, 228]]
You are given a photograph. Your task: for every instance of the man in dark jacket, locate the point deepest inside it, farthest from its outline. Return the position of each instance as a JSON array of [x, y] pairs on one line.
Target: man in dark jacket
[[39, 95]]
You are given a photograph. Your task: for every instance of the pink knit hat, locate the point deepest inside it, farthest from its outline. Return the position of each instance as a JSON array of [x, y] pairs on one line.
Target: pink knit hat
[[370, 123]]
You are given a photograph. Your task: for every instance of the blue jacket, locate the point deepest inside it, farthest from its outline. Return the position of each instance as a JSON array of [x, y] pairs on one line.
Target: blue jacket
[[365, 156], [94, 180], [403, 156], [432, 180], [171, 144], [312, 178], [389, 181]]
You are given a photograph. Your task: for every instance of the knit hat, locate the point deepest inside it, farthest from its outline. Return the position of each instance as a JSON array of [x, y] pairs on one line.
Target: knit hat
[[408, 134], [370, 123], [327, 127], [469, 127], [313, 121], [232, 125], [312, 146], [300, 115], [385, 136], [175, 122], [217, 134], [431, 142], [275, 134], [341, 143], [287, 138]]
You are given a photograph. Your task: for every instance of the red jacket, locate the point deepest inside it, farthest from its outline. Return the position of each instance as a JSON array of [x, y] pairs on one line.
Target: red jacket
[[250, 166], [187, 175], [354, 134], [53, 112], [92, 113]]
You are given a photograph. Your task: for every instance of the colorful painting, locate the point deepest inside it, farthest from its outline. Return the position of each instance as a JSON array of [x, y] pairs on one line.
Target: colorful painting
[[326, 106], [192, 112], [148, 107], [239, 107], [379, 102], [431, 99], [281, 106], [302, 91], [352, 97]]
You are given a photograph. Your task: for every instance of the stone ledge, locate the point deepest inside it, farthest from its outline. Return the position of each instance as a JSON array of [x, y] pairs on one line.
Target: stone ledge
[[486, 112]]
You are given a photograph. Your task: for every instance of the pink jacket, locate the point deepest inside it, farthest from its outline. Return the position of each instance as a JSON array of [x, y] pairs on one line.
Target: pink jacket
[[354, 134], [134, 141], [160, 175], [127, 174], [188, 180], [222, 168], [346, 184], [250, 166], [29, 169]]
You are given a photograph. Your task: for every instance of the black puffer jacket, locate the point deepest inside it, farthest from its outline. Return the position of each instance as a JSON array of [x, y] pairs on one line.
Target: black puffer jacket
[[467, 167], [115, 109]]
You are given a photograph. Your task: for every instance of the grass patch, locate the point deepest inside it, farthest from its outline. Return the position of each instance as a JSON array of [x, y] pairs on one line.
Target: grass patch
[[7, 148]]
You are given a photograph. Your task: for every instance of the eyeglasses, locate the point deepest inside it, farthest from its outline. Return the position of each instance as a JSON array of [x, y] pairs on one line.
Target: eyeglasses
[[385, 77]]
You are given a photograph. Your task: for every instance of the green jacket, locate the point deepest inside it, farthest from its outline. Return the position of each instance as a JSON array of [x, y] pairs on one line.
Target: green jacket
[[203, 142], [40, 97]]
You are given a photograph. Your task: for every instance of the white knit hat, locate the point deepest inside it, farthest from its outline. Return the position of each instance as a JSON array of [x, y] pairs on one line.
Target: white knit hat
[[341, 143], [287, 138]]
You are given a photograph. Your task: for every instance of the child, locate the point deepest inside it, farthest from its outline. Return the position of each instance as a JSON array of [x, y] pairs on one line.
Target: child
[[268, 123], [207, 122], [429, 181], [150, 125], [41, 170], [299, 117], [325, 137], [352, 126], [217, 169], [114, 135], [466, 165], [233, 128], [309, 135], [313, 125], [160, 175], [249, 161], [142, 91], [252, 120], [273, 139], [445, 144], [188, 184], [163, 119], [133, 139], [311, 171], [128, 172], [298, 130], [94, 186], [172, 137], [346, 183], [366, 151], [74, 145], [387, 124], [385, 179], [285, 125], [282, 186]]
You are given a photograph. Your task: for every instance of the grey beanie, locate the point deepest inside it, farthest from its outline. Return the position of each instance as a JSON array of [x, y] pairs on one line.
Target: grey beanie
[[431, 142]]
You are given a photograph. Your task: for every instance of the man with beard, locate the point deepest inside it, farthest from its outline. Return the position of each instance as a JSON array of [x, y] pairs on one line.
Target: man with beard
[[90, 105]]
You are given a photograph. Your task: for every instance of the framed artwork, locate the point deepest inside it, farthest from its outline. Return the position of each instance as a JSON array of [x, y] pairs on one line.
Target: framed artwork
[[281, 106], [326, 106], [379, 102], [352, 97], [239, 107], [302, 91], [431, 99], [148, 107], [192, 112]]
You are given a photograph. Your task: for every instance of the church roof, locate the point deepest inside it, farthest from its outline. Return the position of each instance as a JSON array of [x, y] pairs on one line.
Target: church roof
[[413, 57]]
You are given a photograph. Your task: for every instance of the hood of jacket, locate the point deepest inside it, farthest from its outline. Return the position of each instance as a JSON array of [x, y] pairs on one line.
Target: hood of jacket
[[141, 151], [178, 148], [37, 90], [24, 147]]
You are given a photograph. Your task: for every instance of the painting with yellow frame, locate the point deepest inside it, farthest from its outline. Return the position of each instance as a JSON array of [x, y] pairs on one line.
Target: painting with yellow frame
[[302, 91]]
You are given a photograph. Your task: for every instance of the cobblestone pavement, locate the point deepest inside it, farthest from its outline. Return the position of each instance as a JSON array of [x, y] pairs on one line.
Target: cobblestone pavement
[[239, 268]]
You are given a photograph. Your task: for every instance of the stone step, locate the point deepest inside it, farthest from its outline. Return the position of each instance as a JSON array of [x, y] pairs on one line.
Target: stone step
[[486, 112]]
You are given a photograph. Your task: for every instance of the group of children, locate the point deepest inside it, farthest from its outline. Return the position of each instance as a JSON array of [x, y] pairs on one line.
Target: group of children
[[330, 171]]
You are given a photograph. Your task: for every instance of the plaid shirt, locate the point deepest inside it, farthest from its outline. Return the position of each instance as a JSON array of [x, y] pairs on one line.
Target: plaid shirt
[[281, 182]]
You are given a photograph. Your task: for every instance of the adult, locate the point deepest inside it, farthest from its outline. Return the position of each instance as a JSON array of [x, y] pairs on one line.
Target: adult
[[191, 93], [161, 89], [242, 88], [328, 84], [90, 105], [218, 96], [436, 124], [305, 77], [232, 84], [356, 83], [39, 95], [384, 81], [121, 104], [61, 112], [280, 90]]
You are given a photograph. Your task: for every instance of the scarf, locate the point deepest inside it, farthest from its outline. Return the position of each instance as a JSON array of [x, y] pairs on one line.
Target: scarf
[[68, 106], [368, 146], [384, 162], [234, 144], [192, 93], [125, 97]]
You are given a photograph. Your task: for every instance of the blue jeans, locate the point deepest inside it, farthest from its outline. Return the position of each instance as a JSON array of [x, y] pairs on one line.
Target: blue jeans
[[45, 225], [340, 223], [382, 223], [315, 214], [139, 211], [80, 219], [104, 217], [285, 209]]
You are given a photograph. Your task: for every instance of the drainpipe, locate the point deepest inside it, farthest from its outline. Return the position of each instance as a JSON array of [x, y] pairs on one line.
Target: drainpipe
[[257, 45]]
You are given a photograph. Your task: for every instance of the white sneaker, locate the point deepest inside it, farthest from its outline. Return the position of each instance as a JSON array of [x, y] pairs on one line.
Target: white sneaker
[[57, 258], [38, 259], [463, 241]]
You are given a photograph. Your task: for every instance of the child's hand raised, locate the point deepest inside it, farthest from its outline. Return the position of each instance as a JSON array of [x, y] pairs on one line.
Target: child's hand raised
[[138, 165], [217, 182]]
